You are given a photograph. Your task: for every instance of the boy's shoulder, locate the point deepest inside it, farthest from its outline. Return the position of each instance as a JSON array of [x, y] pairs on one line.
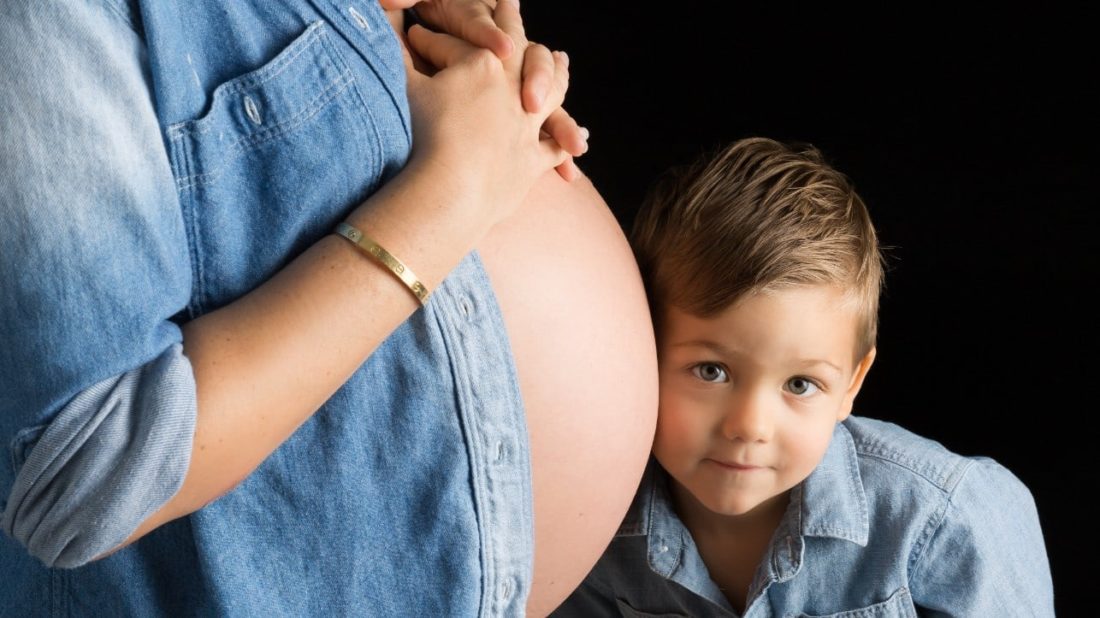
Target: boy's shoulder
[[903, 494], [893, 457]]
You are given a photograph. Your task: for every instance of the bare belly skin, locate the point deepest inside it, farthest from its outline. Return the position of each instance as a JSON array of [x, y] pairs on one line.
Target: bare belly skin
[[582, 339]]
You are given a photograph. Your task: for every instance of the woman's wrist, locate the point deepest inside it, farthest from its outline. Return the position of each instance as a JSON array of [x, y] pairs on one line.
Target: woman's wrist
[[429, 216]]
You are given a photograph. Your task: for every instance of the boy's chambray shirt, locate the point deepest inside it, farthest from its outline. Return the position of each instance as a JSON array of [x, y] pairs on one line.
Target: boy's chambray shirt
[[889, 524], [159, 159]]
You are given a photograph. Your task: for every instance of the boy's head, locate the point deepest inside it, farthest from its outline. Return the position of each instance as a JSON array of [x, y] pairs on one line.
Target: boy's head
[[757, 216], [763, 272]]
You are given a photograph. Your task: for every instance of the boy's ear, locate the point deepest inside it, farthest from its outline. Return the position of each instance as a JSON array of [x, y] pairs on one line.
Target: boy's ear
[[857, 382]]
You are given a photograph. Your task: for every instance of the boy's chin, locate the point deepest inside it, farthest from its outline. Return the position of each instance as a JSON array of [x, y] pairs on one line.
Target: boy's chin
[[745, 506]]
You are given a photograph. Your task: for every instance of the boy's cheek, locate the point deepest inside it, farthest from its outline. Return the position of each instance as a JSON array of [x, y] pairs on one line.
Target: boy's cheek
[[677, 430]]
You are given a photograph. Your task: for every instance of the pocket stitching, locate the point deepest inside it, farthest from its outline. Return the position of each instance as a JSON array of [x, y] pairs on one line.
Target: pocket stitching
[[252, 79], [899, 599], [244, 142]]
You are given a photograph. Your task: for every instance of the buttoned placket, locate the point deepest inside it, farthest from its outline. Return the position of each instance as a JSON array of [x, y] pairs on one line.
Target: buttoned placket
[[490, 422]]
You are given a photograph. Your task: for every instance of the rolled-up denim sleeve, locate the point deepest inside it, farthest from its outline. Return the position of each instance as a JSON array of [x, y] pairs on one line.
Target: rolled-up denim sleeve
[[97, 400], [986, 555]]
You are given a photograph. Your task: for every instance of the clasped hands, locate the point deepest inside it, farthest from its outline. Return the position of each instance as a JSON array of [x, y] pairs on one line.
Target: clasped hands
[[459, 28]]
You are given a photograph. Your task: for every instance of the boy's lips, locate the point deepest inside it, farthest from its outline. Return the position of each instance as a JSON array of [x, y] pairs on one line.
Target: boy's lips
[[734, 465]]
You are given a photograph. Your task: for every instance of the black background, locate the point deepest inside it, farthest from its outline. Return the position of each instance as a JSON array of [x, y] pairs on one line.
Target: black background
[[973, 140]]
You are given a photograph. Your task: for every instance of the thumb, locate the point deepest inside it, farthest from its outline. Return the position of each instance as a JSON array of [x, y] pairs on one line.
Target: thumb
[[394, 5], [412, 72]]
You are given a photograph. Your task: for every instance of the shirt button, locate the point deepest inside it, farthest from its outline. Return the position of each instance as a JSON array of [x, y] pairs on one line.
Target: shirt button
[[358, 18], [252, 110], [500, 451], [506, 590], [465, 306], [662, 549]]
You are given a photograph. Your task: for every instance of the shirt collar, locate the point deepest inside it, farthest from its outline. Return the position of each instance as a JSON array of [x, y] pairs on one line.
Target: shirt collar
[[833, 503], [652, 516], [670, 550], [830, 503]]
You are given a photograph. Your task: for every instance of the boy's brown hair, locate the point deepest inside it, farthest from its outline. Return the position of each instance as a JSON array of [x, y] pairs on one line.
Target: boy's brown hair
[[757, 216]]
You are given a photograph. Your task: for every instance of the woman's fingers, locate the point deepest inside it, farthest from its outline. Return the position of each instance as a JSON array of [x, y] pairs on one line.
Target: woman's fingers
[[476, 25], [413, 65], [544, 76], [470, 20], [396, 5], [556, 125], [565, 130], [552, 153], [440, 50], [508, 19], [538, 76], [555, 95], [568, 170], [573, 139]]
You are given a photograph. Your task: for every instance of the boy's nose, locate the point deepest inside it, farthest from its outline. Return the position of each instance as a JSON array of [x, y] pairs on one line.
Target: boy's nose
[[749, 418]]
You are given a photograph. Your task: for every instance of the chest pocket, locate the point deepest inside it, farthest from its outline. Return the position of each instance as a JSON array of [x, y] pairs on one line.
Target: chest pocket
[[899, 605], [281, 155]]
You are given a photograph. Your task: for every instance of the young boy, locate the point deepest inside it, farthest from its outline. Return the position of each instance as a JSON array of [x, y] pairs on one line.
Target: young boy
[[765, 497]]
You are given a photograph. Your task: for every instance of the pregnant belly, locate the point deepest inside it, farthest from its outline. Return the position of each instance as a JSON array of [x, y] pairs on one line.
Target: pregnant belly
[[579, 325]]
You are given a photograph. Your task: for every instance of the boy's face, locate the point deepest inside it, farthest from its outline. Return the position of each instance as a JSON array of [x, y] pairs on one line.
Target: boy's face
[[750, 397]]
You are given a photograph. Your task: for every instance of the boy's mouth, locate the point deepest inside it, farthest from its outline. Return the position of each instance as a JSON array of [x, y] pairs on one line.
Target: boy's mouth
[[734, 465]]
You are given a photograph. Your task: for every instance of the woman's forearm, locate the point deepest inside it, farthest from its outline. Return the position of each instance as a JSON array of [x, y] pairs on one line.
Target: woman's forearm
[[266, 362]]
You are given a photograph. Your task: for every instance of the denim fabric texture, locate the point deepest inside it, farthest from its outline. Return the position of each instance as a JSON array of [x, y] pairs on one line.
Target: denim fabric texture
[[889, 524], [159, 160]]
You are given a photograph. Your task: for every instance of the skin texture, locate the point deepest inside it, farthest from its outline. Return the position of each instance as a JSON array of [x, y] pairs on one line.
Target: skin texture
[[749, 401], [583, 344]]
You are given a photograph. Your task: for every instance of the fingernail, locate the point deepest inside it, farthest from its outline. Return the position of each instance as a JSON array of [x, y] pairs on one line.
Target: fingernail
[[585, 133], [564, 58]]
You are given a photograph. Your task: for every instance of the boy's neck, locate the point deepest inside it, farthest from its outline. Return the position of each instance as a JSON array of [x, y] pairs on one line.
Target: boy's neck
[[730, 546], [759, 522]]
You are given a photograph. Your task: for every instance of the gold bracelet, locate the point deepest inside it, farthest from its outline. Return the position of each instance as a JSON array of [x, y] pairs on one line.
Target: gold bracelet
[[384, 257]]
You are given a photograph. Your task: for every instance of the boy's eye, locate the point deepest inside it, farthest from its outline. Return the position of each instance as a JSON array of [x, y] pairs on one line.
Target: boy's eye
[[710, 372], [801, 386]]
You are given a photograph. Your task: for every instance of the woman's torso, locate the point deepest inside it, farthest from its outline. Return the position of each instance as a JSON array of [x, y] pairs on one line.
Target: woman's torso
[[279, 119]]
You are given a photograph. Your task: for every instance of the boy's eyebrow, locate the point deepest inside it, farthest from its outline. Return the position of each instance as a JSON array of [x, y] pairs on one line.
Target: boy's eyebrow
[[820, 361], [722, 350], [705, 343]]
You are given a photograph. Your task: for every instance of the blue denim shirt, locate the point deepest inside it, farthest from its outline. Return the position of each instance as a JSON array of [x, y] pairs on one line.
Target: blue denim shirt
[[888, 524], [160, 159]]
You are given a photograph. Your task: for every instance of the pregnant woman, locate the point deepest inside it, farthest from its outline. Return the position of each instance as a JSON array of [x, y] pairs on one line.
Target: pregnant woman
[[213, 405]]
